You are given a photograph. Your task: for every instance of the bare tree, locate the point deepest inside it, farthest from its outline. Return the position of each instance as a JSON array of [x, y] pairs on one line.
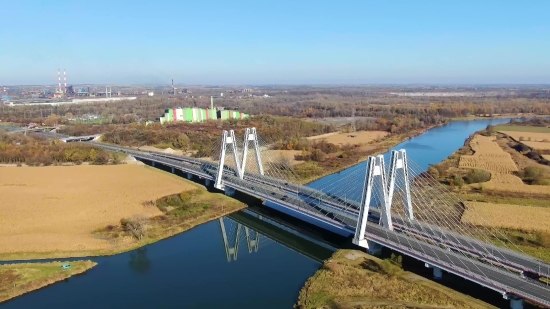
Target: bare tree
[[136, 225]]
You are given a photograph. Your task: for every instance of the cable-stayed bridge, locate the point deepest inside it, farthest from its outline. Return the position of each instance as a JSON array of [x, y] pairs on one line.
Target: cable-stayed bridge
[[395, 205]]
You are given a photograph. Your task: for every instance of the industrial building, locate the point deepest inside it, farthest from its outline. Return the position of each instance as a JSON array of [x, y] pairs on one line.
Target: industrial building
[[193, 114]]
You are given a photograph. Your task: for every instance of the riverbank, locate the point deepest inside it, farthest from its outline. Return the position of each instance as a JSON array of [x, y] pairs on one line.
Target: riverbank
[[500, 178], [503, 116], [19, 279], [354, 279], [54, 222], [376, 148]]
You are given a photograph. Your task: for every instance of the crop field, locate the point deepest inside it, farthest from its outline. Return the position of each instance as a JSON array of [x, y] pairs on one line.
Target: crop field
[[537, 145], [359, 137], [507, 216], [513, 128], [488, 156], [528, 136], [45, 209], [338, 121], [491, 157], [534, 137]]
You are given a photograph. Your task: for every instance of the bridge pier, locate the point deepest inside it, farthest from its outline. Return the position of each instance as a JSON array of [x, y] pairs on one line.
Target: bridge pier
[[374, 248], [437, 272], [189, 176], [153, 163], [515, 301], [229, 191], [173, 170], [207, 182]]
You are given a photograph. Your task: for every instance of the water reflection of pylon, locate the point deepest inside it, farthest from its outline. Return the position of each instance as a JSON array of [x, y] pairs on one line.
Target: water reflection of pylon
[[252, 240]]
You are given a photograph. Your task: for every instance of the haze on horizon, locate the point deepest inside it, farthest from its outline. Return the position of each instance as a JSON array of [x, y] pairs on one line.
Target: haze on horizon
[[275, 42]]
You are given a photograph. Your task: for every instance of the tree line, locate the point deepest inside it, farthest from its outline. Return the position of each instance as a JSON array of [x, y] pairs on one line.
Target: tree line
[[308, 105], [33, 150]]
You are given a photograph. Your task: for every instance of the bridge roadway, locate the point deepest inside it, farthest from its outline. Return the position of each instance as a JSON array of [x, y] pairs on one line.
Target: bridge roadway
[[505, 257], [474, 270]]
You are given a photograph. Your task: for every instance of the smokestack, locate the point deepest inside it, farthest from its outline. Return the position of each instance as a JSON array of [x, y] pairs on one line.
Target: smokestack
[[65, 80], [59, 79], [211, 102]]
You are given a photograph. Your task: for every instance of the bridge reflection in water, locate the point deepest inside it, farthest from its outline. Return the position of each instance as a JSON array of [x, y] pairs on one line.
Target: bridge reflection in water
[[257, 231]]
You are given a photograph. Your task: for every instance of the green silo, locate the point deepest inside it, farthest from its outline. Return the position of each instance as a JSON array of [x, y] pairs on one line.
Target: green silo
[[188, 114]]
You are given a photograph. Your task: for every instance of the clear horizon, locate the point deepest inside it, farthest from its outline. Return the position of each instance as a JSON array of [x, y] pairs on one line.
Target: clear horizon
[[276, 43]]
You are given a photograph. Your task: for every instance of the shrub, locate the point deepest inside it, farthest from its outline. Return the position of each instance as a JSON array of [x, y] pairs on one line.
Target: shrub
[[477, 176], [136, 226], [432, 170], [458, 181], [542, 182], [534, 175]]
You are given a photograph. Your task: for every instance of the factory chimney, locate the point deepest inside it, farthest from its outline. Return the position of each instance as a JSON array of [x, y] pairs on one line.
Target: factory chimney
[[59, 80], [211, 102], [65, 80]]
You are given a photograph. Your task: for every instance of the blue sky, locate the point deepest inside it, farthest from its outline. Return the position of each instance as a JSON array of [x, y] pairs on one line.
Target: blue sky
[[278, 42]]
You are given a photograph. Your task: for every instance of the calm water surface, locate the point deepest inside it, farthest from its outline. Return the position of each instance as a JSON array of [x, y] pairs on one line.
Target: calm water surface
[[191, 270]]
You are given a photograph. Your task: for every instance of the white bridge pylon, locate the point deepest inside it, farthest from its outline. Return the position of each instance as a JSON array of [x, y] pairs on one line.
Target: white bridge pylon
[[252, 242], [229, 140], [377, 170]]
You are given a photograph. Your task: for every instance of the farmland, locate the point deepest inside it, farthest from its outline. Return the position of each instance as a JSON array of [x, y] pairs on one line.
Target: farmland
[[508, 216], [517, 128], [534, 137], [63, 206], [489, 156], [502, 184], [359, 137]]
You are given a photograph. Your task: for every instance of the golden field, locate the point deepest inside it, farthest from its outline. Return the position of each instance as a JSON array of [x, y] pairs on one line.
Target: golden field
[[507, 216], [488, 156], [491, 157], [535, 140], [527, 136], [537, 145], [46, 209], [340, 138]]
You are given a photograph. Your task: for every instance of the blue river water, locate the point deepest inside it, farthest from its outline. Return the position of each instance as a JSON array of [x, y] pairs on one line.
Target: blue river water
[[191, 270]]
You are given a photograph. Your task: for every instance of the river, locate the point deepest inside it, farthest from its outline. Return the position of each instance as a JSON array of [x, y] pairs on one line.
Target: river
[[191, 270]]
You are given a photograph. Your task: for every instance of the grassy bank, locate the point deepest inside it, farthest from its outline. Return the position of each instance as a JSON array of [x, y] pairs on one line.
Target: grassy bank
[[203, 207], [354, 279], [18, 279]]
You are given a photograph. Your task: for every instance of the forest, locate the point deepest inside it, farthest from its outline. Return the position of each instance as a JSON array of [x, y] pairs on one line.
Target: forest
[[33, 150]]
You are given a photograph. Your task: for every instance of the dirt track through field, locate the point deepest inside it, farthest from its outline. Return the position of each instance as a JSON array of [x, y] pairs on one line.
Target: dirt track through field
[[45, 209]]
